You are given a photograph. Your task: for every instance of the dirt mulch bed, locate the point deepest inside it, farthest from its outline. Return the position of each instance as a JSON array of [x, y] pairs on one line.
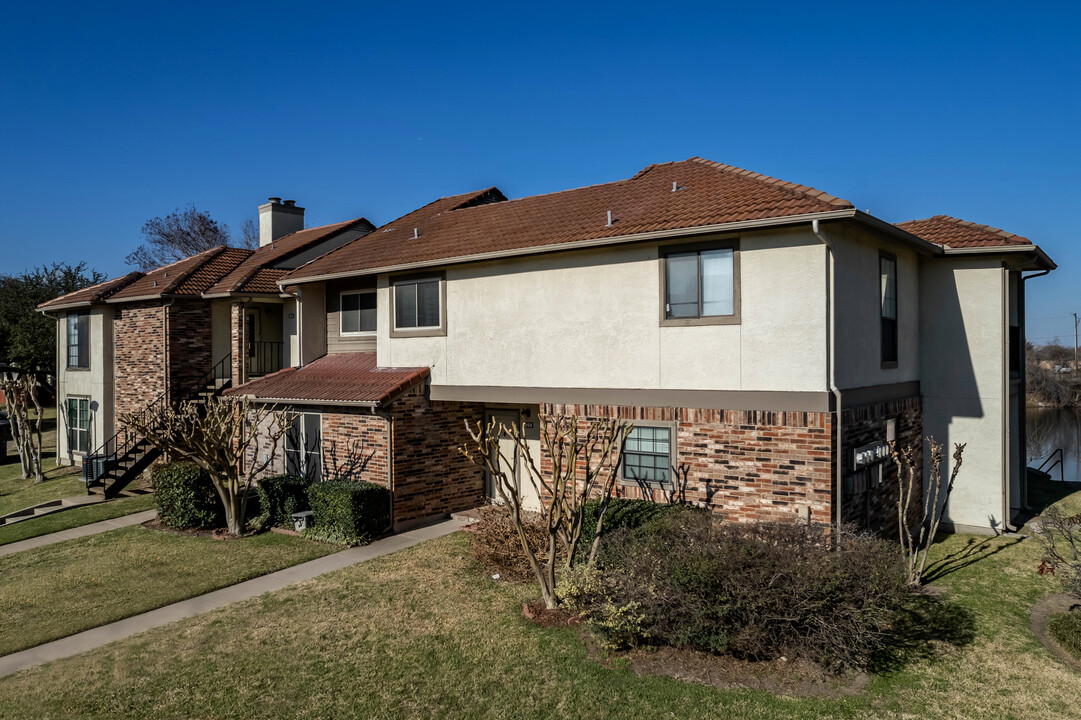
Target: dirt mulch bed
[[215, 534], [1038, 616], [537, 613]]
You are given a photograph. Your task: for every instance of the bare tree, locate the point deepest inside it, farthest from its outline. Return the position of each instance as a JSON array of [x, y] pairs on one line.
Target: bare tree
[[176, 236], [20, 391], [218, 436], [915, 543], [585, 463], [1060, 535], [249, 235]]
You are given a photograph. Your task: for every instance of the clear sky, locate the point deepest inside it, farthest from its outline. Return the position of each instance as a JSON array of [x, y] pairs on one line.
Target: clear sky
[[112, 113]]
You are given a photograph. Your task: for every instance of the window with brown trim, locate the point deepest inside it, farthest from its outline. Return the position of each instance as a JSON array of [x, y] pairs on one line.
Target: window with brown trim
[[78, 339], [700, 283], [887, 266]]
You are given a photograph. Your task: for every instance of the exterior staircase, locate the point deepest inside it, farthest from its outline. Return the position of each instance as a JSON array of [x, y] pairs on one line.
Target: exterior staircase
[[124, 456]]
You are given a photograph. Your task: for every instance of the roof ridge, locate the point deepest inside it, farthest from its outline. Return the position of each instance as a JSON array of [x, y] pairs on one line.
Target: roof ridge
[[555, 192], [115, 285], [176, 281], [805, 190], [968, 223], [317, 227]]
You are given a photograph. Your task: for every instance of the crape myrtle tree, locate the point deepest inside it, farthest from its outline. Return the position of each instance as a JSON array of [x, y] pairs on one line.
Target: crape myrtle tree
[[28, 350], [222, 436], [585, 462], [184, 233]]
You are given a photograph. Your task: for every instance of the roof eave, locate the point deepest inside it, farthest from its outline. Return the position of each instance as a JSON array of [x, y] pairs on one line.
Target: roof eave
[[308, 401], [1042, 259], [592, 243], [66, 306], [915, 241]]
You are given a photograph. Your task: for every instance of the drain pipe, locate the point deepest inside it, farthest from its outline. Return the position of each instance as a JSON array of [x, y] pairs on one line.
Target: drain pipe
[[831, 373], [1022, 399]]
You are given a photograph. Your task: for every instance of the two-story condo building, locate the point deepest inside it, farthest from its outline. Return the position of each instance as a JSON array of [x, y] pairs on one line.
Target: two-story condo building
[[765, 338]]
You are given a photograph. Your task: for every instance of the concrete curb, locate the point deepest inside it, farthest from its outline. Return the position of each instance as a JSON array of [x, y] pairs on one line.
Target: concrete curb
[[99, 636]]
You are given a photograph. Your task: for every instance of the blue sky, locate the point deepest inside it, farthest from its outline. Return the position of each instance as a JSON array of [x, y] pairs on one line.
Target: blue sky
[[113, 114]]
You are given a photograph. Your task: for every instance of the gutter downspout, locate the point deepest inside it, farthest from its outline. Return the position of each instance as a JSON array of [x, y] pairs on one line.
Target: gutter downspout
[[831, 373], [59, 391], [1022, 399]]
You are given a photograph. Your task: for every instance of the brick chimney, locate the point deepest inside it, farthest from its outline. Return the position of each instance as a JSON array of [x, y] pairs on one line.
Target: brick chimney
[[277, 218]]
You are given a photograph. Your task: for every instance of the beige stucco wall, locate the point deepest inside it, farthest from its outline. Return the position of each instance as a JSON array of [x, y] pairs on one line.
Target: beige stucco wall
[[856, 254], [962, 377], [220, 332], [312, 321], [591, 319], [95, 383]]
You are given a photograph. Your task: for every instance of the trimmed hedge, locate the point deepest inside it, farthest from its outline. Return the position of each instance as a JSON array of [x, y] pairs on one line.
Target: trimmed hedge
[[282, 495], [349, 512], [1066, 628], [185, 497], [623, 513]]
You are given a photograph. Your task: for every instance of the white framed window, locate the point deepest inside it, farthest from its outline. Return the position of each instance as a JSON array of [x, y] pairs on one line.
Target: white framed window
[[418, 304], [648, 454], [78, 339], [304, 447], [356, 313], [79, 424]]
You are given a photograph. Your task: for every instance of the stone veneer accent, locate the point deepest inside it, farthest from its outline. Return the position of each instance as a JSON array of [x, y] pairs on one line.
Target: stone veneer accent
[[868, 502], [139, 356], [747, 465]]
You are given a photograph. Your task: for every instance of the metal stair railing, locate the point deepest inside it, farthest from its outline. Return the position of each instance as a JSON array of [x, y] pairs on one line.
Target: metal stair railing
[[1057, 462]]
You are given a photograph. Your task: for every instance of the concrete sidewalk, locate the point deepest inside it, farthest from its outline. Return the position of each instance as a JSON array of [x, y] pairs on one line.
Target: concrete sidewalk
[[95, 638], [78, 532]]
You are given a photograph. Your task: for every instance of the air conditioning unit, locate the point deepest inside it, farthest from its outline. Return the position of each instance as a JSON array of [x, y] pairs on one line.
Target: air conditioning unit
[[93, 468]]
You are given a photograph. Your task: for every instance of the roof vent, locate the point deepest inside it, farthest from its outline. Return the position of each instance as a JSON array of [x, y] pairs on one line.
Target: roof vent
[[676, 186], [416, 233], [609, 219]]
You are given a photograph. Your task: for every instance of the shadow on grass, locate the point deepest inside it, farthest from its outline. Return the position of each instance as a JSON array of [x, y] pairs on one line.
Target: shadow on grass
[[972, 552], [925, 627]]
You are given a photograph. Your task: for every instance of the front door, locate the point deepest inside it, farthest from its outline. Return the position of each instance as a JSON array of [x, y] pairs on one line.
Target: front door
[[509, 449], [251, 332]]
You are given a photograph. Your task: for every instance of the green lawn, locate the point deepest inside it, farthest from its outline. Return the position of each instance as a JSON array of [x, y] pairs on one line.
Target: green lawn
[[61, 482], [424, 633], [74, 518], [57, 590]]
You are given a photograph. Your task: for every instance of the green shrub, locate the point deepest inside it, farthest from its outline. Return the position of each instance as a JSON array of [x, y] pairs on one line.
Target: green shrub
[[622, 513], [349, 512], [756, 591], [1066, 628], [185, 497], [282, 495]]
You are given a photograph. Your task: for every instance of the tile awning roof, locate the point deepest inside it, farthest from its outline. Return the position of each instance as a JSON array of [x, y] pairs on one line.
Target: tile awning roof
[[345, 378], [191, 276], [253, 275], [92, 294], [472, 224], [955, 233]]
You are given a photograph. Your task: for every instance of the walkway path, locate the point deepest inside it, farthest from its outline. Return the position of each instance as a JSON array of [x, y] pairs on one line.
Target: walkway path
[[78, 532], [90, 639]]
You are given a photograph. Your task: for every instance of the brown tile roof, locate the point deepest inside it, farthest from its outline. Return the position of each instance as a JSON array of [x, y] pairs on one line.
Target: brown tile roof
[[952, 232], [253, 276], [341, 378], [92, 294], [462, 225], [191, 276]]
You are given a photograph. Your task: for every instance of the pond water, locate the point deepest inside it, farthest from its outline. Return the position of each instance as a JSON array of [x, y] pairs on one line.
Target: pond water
[[1052, 428]]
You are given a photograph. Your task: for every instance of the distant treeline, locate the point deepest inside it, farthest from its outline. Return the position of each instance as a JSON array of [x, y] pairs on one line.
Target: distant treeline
[[1051, 379]]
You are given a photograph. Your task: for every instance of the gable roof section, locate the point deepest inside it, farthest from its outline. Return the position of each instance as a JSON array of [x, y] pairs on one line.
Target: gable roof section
[[191, 276], [253, 275], [475, 224], [90, 295], [341, 379], [955, 233]]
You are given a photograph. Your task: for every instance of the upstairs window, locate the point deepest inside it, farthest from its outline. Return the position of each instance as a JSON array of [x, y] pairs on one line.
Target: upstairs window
[[78, 425], [358, 312], [78, 331], [304, 447], [701, 284], [887, 265], [418, 304], [647, 455]]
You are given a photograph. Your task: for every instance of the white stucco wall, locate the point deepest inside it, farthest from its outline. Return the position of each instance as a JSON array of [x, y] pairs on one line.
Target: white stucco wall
[[857, 295], [962, 377], [591, 319], [94, 382]]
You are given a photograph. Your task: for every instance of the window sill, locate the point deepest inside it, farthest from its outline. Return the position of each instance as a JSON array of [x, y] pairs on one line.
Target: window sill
[[421, 332], [889, 365], [644, 484], [358, 335], [73, 368], [690, 322]]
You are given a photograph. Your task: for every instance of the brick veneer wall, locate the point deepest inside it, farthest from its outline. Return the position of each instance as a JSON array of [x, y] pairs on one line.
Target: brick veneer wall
[[430, 476], [868, 502], [238, 354], [139, 355], [190, 352], [746, 465]]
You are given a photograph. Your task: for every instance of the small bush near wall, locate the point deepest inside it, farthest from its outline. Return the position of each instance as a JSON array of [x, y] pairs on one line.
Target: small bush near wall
[[1066, 628], [495, 543], [757, 592], [185, 497], [282, 495], [623, 513], [349, 513]]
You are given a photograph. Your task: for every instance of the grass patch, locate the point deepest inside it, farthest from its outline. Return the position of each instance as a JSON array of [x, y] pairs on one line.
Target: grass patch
[[1066, 628], [57, 590], [61, 482], [425, 633], [1043, 494], [75, 517]]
